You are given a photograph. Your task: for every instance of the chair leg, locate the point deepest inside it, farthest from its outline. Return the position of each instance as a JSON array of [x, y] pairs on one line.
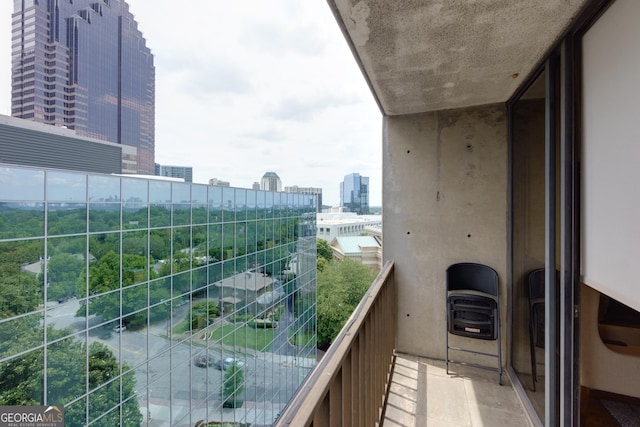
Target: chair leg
[[499, 336], [532, 346], [447, 354], [447, 342]]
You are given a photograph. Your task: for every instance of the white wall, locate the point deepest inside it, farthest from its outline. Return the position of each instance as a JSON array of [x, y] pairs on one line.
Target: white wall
[[611, 154]]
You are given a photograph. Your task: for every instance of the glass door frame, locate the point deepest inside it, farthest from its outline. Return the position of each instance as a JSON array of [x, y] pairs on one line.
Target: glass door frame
[[562, 307]]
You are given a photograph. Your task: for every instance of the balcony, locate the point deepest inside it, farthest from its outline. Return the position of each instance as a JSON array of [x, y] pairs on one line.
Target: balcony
[[363, 381]]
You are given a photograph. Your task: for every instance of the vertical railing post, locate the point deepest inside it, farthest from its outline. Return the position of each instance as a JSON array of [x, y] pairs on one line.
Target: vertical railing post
[[349, 385]]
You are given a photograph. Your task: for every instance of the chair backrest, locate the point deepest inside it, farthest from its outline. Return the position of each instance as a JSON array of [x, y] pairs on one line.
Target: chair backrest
[[536, 285], [473, 277]]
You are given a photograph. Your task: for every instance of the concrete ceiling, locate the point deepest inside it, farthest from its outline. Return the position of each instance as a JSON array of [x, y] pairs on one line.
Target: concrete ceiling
[[428, 55]]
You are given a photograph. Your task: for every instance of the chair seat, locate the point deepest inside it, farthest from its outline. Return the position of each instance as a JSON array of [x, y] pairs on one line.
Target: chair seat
[[472, 302], [472, 315]]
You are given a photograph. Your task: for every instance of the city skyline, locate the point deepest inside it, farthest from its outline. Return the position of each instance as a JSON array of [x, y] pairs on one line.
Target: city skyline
[[279, 85]]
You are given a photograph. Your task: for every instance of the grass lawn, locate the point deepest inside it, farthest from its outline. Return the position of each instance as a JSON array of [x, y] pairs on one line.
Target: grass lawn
[[182, 327], [244, 336], [301, 339]]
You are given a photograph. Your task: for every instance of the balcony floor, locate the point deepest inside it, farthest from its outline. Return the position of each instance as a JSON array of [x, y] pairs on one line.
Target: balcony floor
[[422, 394]]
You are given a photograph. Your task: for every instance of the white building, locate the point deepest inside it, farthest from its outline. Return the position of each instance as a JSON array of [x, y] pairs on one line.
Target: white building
[[366, 250], [219, 183], [332, 225]]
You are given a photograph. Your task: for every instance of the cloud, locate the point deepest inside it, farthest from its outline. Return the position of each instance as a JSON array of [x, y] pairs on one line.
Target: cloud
[[277, 40], [304, 109], [247, 87], [270, 134]]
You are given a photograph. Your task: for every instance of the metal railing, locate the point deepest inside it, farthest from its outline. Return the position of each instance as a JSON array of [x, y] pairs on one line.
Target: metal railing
[[349, 385]]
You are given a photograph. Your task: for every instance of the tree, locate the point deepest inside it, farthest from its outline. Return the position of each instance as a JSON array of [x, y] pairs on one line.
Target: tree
[[232, 386], [19, 293], [341, 286], [63, 272], [324, 250], [21, 380], [321, 263], [203, 313], [105, 276], [103, 366]]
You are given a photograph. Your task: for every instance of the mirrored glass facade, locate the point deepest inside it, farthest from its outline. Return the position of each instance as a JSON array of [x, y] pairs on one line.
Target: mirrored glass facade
[[354, 193], [146, 302], [84, 64]]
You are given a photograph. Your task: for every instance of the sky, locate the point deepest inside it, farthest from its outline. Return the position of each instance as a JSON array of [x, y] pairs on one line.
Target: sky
[[243, 88]]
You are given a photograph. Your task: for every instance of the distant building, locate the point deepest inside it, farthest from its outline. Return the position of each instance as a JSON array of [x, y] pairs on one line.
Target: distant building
[[271, 182], [184, 172], [354, 193], [219, 183], [255, 186], [309, 191], [85, 65], [98, 226], [27, 143], [332, 225], [364, 249]]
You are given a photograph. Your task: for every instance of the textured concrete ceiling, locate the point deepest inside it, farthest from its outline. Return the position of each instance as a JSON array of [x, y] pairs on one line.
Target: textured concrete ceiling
[[428, 55]]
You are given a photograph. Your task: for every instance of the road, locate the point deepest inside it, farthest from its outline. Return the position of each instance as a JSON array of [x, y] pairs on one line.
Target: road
[[173, 391]]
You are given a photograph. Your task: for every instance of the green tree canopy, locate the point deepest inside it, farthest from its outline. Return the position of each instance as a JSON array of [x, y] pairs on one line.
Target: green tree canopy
[[232, 386], [63, 272], [21, 380], [203, 313], [341, 286], [324, 250]]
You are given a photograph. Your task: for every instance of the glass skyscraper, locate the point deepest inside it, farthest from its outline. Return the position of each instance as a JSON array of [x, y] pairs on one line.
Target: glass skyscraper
[[184, 172], [354, 193], [136, 301], [84, 64]]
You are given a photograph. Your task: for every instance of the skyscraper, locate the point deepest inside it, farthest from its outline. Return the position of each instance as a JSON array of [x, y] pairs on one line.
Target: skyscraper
[[184, 172], [271, 182], [84, 64], [354, 193]]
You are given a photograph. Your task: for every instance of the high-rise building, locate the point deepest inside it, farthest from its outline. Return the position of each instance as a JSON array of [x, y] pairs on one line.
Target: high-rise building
[[311, 191], [354, 193], [84, 64], [256, 185], [134, 301], [184, 172], [220, 183], [271, 182]]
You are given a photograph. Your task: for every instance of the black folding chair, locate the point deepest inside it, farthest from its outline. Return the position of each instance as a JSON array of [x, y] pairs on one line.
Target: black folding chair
[[535, 288], [473, 309]]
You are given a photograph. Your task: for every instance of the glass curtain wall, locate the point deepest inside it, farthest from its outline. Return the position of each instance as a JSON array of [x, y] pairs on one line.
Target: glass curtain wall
[[535, 236], [528, 151], [146, 302]]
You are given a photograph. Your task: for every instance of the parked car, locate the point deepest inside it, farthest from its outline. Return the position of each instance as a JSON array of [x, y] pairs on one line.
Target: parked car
[[120, 328], [203, 361], [224, 364]]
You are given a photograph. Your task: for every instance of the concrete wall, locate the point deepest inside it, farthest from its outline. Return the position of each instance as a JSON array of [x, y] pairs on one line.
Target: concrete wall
[[445, 201]]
